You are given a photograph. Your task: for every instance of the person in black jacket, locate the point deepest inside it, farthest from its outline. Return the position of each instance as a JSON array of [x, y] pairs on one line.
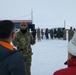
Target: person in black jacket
[[11, 61]]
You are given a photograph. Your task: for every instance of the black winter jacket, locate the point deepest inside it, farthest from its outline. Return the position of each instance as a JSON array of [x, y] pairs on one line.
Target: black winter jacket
[[11, 61]]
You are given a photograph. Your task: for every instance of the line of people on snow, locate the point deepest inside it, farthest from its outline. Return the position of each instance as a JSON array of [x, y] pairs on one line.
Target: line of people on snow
[[60, 33]]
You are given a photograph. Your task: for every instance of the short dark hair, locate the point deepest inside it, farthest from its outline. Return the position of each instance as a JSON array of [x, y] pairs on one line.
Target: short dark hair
[[6, 28]]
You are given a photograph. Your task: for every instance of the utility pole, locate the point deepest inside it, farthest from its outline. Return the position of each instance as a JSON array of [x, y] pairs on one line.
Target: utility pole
[[64, 23], [32, 15]]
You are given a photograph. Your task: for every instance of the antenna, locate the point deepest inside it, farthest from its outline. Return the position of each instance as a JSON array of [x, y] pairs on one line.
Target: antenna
[[64, 23]]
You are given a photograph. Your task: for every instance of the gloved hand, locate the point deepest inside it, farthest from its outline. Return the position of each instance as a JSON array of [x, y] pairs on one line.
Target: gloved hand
[[31, 53]]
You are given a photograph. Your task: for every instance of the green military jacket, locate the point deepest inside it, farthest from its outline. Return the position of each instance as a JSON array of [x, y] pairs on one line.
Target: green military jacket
[[24, 41]]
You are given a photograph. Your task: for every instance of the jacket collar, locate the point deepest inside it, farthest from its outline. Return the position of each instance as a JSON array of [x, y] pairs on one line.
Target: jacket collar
[[71, 62], [7, 45]]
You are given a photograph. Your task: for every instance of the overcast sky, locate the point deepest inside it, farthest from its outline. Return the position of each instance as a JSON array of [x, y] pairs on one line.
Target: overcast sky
[[45, 12]]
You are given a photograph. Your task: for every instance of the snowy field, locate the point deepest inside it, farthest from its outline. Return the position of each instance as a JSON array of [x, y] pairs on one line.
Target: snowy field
[[48, 56]]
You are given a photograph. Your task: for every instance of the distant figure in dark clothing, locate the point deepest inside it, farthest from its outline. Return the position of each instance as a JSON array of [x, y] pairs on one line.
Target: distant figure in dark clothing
[[38, 34], [59, 33], [55, 33], [46, 33], [51, 33], [74, 30], [64, 34], [42, 33]]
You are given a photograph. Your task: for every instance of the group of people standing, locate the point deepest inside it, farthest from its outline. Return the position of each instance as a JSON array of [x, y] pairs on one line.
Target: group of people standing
[[18, 61], [59, 33]]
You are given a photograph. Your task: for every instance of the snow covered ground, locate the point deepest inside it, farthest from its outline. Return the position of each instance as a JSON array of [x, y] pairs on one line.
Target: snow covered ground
[[48, 56]]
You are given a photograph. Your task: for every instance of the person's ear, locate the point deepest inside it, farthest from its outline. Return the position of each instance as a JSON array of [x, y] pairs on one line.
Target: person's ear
[[69, 55], [13, 35]]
